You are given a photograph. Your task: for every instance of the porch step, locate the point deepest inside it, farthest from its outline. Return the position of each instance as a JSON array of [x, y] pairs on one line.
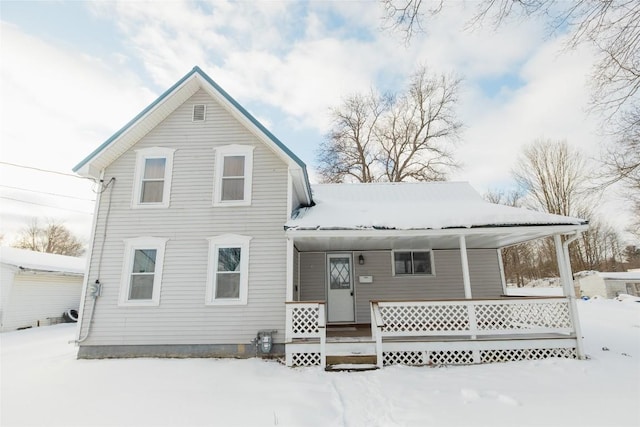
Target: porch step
[[350, 368], [351, 363], [351, 348], [354, 359]]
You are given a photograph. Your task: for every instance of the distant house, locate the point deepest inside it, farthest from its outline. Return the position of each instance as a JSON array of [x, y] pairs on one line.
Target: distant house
[[608, 284], [209, 241], [36, 288]]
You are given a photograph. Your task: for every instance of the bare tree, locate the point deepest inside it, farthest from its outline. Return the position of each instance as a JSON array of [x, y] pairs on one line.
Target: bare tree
[[631, 255], [350, 149], [622, 163], [407, 16], [518, 260], [556, 180], [52, 238], [399, 137], [609, 26], [634, 227], [554, 176], [598, 248]]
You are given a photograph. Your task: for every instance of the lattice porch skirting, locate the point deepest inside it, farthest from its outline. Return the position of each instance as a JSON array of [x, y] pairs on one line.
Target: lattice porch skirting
[[299, 360], [461, 356]]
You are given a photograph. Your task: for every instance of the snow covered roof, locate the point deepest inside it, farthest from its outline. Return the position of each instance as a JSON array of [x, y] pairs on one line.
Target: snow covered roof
[[629, 275], [31, 260], [412, 206]]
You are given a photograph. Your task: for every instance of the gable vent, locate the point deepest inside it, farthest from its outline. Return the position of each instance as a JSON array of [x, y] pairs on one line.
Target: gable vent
[[199, 111]]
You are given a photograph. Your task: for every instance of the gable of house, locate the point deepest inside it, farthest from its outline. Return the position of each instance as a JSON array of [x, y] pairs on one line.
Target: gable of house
[[194, 81]]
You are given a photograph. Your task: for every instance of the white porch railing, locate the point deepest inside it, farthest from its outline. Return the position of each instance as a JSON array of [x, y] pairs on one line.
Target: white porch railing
[[468, 320], [441, 332], [305, 321]]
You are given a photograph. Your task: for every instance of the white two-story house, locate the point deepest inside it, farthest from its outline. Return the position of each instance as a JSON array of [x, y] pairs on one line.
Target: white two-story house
[[209, 241]]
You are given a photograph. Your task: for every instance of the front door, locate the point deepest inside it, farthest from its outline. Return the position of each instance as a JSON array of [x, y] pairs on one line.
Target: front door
[[339, 288]]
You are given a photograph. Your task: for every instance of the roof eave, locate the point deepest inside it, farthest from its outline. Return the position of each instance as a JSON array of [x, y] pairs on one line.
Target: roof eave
[[258, 129], [370, 232], [81, 167]]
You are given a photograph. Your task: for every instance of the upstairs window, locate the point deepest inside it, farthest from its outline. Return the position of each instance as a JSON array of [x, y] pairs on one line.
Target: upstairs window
[[412, 263], [233, 175], [153, 177], [233, 178], [153, 180]]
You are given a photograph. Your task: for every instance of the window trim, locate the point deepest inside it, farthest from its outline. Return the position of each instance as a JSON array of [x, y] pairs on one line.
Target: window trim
[[233, 150], [228, 241], [141, 157], [131, 245], [393, 263]]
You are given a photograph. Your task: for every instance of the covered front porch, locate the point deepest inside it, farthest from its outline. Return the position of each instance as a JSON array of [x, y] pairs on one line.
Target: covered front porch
[[435, 333], [352, 299]]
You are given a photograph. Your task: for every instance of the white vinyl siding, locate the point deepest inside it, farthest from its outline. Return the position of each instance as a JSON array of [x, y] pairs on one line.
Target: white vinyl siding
[[182, 316], [36, 298], [142, 271], [233, 175], [313, 279], [154, 167], [227, 277]]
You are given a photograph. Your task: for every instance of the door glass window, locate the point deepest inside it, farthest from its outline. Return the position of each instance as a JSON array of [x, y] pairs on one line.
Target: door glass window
[[339, 273]]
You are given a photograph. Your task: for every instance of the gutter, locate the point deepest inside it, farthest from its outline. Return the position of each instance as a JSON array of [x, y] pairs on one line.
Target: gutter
[[25, 270]]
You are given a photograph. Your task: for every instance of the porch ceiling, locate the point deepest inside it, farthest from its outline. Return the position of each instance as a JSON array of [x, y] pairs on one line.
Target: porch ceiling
[[476, 238]]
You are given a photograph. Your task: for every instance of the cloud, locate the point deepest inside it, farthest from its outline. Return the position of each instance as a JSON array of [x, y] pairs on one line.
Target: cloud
[[291, 62], [550, 103], [57, 106]]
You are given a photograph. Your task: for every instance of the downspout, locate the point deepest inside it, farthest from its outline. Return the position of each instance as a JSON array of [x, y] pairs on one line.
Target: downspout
[[572, 294]]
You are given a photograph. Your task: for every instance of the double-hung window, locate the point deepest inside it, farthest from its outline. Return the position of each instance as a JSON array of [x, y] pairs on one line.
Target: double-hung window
[[412, 263], [228, 272], [233, 175], [152, 183], [142, 271]]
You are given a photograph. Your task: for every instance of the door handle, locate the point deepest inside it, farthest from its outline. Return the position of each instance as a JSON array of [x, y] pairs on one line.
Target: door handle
[[351, 293]]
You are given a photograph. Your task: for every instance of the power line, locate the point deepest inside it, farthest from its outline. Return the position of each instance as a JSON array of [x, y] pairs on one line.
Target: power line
[[48, 206], [45, 192], [44, 170]]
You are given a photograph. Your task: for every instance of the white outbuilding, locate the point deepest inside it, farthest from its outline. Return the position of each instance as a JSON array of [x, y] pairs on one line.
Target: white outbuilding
[[37, 288], [608, 284]]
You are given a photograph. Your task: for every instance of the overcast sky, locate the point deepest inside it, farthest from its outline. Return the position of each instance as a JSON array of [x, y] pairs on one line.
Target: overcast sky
[[73, 73]]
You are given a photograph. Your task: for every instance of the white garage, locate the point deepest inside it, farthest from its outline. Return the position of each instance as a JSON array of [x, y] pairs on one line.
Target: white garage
[[37, 288]]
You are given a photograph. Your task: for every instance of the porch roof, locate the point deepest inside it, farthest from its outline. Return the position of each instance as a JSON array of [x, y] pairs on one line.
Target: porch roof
[[358, 216]]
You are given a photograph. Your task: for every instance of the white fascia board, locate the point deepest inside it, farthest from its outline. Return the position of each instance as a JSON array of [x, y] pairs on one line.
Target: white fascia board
[[299, 180], [92, 164], [259, 133], [36, 272], [533, 230]]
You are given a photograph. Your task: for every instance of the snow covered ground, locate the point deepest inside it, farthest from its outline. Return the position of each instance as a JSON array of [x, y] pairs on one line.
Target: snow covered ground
[[43, 384]]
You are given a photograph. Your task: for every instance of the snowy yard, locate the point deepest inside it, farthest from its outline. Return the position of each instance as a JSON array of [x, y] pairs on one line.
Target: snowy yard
[[43, 384]]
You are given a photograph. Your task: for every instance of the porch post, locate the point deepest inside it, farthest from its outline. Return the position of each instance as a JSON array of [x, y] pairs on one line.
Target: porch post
[[564, 268], [289, 270], [465, 267]]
